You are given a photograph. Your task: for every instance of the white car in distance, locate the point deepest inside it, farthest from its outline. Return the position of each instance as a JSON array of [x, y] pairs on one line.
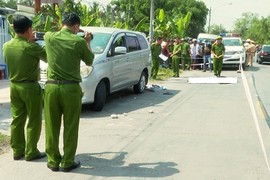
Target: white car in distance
[[235, 53]]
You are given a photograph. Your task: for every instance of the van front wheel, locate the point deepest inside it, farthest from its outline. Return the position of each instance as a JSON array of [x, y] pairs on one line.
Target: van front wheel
[[100, 97], [140, 86]]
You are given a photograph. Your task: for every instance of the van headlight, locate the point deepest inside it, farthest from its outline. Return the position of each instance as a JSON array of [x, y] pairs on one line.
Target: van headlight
[[86, 71]]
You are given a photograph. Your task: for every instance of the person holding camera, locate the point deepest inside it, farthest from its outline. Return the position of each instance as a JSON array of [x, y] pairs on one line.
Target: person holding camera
[[63, 94], [22, 56]]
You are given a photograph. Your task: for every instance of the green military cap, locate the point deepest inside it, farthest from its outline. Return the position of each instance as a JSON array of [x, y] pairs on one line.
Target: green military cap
[[219, 37]]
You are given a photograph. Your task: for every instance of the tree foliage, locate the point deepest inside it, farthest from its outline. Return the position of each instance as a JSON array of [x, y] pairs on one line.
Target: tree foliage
[[217, 29], [133, 11], [251, 26], [10, 4], [172, 17]]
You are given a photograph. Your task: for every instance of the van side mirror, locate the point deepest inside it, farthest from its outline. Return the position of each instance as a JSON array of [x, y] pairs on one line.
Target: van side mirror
[[120, 50]]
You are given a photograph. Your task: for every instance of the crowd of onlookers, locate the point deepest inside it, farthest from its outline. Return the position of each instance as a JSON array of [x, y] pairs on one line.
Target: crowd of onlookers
[[186, 53]]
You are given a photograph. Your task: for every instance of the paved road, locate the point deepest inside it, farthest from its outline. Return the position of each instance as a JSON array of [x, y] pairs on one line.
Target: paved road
[[188, 131], [261, 83]]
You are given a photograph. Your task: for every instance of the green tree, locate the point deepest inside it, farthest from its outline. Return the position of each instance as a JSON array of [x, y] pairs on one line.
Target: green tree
[[9, 3], [217, 29], [168, 27], [133, 11], [27, 2], [250, 26]]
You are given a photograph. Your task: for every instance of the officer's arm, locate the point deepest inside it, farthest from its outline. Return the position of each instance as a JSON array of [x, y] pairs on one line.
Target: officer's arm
[[38, 51], [87, 55], [176, 52], [213, 51]]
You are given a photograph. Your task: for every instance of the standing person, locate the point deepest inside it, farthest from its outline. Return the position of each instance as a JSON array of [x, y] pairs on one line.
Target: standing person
[[186, 55], [217, 50], [176, 57], [22, 56], [207, 55], [170, 51], [251, 49], [63, 94], [164, 51], [156, 50], [196, 52]]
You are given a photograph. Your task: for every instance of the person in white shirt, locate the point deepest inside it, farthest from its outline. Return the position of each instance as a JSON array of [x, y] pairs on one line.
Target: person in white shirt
[[195, 51]]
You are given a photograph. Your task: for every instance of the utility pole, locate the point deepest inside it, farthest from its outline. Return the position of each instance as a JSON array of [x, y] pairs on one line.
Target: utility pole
[[209, 20], [151, 30]]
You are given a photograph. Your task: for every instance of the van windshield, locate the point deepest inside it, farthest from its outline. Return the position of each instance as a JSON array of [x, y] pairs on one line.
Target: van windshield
[[100, 41], [98, 44], [232, 42]]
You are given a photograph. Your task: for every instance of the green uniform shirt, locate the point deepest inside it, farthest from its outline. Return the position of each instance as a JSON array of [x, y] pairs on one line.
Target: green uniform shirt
[[65, 51], [155, 50], [218, 49], [177, 50], [185, 48], [22, 58], [170, 48]]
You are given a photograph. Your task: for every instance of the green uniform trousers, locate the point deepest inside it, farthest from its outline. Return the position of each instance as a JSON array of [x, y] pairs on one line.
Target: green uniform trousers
[[155, 67], [175, 65], [186, 61], [26, 101], [217, 66], [62, 100]]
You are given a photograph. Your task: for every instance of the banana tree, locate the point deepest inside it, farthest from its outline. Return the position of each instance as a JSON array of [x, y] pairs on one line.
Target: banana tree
[[180, 25], [161, 21], [169, 27]]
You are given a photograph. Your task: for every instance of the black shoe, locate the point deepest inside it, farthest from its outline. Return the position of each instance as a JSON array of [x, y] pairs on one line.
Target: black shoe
[[54, 169], [18, 157], [40, 156], [74, 166]]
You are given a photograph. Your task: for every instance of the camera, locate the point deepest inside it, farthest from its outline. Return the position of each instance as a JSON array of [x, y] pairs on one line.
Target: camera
[[82, 34]]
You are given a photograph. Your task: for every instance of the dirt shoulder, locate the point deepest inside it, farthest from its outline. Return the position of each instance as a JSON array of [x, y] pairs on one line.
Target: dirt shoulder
[[4, 143]]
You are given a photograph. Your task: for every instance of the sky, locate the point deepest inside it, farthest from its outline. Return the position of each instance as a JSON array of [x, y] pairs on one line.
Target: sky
[[226, 12]]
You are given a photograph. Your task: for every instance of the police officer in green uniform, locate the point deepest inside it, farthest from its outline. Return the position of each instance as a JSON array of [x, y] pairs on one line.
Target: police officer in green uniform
[[22, 56], [63, 94], [155, 51], [186, 54], [176, 57], [217, 51]]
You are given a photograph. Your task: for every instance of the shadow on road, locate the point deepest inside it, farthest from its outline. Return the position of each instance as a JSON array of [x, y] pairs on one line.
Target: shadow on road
[[112, 164], [126, 101]]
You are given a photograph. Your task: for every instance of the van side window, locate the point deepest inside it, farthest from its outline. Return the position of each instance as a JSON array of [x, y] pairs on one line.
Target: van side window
[[133, 43], [119, 41], [143, 42]]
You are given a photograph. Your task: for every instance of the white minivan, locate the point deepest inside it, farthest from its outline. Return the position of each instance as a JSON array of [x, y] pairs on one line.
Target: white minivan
[[122, 59]]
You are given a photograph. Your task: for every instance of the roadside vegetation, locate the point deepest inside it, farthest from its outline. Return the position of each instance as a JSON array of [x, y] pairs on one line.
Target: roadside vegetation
[[172, 18], [4, 143], [164, 74]]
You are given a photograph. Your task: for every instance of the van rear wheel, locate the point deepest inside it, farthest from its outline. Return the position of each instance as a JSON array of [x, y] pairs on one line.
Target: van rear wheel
[[140, 86], [100, 97]]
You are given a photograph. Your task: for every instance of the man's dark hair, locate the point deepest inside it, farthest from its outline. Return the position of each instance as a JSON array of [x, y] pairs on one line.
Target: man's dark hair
[[71, 19], [21, 23]]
